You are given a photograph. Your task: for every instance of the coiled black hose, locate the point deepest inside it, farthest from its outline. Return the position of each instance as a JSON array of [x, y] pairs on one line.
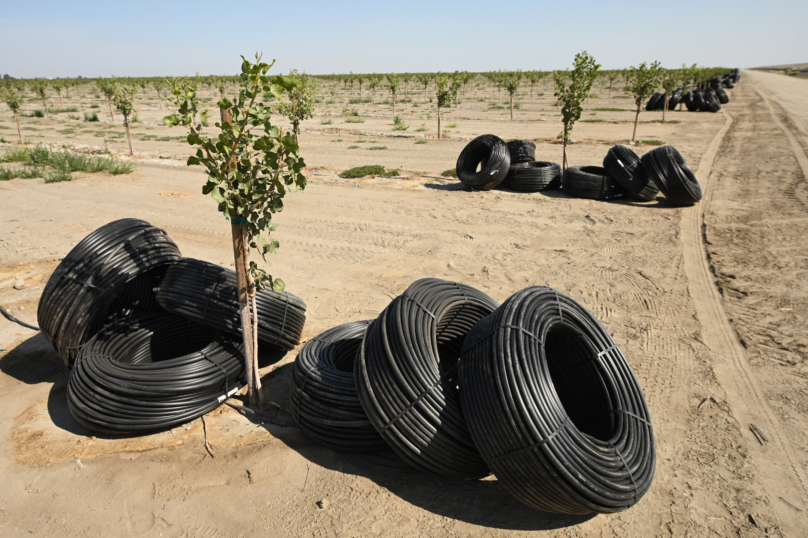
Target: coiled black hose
[[655, 100], [689, 101], [137, 297], [591, 182], [406, 375], [625, 167], [675, 98], [711, 100], [208, 294], [705, 105], [324, 400], [554, 407], [698, 101], [152, 372], [79, 293], [533, 176], [521, 151], [675, 179], [490, 153]]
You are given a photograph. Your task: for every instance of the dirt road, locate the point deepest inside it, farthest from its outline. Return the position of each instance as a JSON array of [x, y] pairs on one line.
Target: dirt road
[[708, 303]]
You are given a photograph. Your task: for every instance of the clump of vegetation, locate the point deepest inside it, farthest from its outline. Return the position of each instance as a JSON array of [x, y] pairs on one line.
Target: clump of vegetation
[[63, 110], [375, 148], [35, 114], [422, 141], [354, 120], [326, 122], [353, 147], [571, 94], [12, 98], [370, 170], [642, 82], [337, 140], [56, 166], [652, 142], [451, 172], [91, 117], [421, 129], [350, 112], [300, 105], [399, 125], [592, 121]]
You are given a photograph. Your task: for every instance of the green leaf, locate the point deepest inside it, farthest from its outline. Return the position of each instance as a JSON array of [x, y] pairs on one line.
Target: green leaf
[[278, 285], [192, 161]]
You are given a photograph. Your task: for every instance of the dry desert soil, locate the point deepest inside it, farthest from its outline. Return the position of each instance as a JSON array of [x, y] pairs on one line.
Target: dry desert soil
[[709, 304]]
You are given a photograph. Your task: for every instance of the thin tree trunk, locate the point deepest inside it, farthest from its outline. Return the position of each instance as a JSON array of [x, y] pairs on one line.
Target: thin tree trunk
[[109, 103], [394, 104], [60, 99], [636, 121], [665, 107], [254, 303], [129, 136], [44, 102], [438, 123], [19, 132], [610, 91], [244, 309], [511, 107]]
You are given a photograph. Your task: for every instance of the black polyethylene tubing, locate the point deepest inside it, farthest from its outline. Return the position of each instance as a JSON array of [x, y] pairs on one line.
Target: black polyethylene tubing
[[533, 176], [152, 372], [626, 168], [406, 375], [510, 380], [592, 182], [208, 294], [521, 151], [491, 153], [77, 298], [325, 403], [668, 170]]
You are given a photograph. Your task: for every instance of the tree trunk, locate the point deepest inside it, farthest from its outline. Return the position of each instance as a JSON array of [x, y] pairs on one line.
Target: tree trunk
[[60, 99], [19, 132], [44, 102], [636, 121], [394, 104], [564, 151], [438, 123], [511, 107], [128, 135], [244, 309], [109, 103], [610, 91], [665, 107]]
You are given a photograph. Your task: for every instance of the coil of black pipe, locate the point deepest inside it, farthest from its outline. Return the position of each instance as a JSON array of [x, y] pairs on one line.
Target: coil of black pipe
[[208, 294], [152, 372], [521, 151], [533, 176], [592, 182], [711, 101], [655, 100], [689, 100], [325, 404], [490, 153], [670, 172], [625, 167], [554, 407], [79, 293], [406, 375], [702, 100], [137, 296], [675, 98]]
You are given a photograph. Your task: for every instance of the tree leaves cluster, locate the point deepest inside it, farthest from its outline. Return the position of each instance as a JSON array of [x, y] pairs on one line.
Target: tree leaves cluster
[[643, 81], [572, 91], [300, 105]]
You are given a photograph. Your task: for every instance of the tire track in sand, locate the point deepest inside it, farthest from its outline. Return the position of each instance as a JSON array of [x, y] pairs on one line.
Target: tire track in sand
[[731, 367]]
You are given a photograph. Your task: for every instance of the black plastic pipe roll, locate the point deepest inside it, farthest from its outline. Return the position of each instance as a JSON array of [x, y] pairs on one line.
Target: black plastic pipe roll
[[554, 407], [77, 298], [324, 400], [490, 154], [533, 176], [625, 167], [208, 294], [670, 172], [406, 375], [521, 151], [689, 100], [675, 98], [151, 373], [656, 102], [592, 182]]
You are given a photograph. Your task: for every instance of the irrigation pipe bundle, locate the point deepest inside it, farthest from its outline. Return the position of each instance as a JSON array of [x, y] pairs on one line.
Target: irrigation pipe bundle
[[325, 404], [208, 294], [78, 295], [554, 407], [592, 182], [533, 176], [491, 154], [152, 372], [625, 167], [406, 375], [675, 179]]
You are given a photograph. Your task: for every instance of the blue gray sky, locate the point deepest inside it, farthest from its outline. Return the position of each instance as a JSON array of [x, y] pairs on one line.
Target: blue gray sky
[[91, 38]]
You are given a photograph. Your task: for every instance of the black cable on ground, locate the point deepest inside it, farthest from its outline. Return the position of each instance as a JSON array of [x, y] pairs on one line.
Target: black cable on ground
[[208, 294], [654, 101], [406, 375], [324, 399], [554, 407], [12, 319], [490, 153], [668, 170], [152, 372], [521, 151], [592, 182], [625, 167], [533, 176], [79, 293]]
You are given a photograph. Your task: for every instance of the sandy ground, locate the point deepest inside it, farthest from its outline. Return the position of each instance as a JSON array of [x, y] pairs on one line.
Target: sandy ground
[[708, 303]]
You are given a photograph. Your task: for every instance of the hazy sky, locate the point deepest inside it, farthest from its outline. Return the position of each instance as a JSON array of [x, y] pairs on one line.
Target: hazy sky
[[151, 37]]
